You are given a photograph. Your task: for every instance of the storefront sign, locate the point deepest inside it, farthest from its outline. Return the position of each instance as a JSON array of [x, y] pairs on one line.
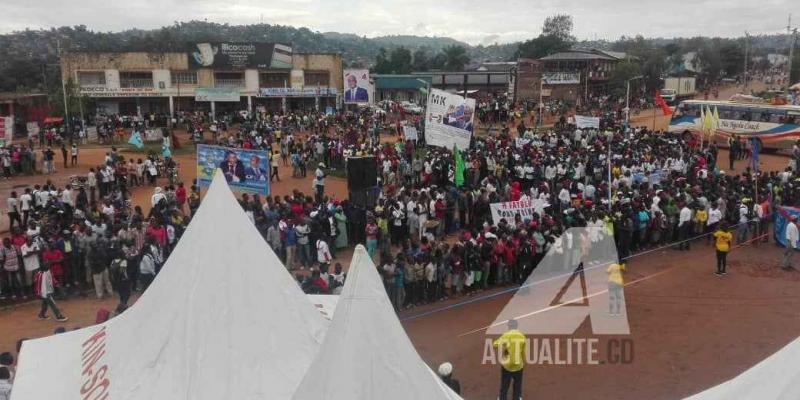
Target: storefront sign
[[222, 94], [103, 91], [292, 92], [240, 55]]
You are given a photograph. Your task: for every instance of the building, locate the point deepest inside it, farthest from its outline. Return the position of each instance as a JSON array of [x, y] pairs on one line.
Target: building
[[575, 74], [401, 87], [210, 77], [470, 82], [529, 80]]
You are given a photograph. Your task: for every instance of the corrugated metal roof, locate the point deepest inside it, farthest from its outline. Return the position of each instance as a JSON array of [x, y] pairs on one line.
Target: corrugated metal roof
[[410, 82]]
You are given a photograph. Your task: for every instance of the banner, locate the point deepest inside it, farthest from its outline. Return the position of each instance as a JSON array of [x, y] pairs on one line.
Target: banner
[[410, 132], [525, 209], [153, 135], [521, 142], [587, 122], [221, 94], [782, 216], [6, 129], [240, 55], [292, 92], [356, 84], [561, 78], [245, 170], [33, 129], [448, 120], [297, 79]]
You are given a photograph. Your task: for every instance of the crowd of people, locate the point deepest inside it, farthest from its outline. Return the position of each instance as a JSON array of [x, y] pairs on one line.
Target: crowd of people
[[428, 225]]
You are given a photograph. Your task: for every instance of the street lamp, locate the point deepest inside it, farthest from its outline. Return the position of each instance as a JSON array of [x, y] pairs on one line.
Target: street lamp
[[628, 101]]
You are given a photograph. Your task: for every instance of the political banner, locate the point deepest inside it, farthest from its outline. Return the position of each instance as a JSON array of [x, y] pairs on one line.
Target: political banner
[[448, 120], [587, 122], [33, 129], [220, 94], [525, 209], [410, 132], [297, 79], [782, 216], [521, 142], [238, 55], [245, 170], [356, 86]]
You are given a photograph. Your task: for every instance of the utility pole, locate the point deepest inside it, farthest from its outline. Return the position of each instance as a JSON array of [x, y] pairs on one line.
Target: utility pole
[[64, 91], [746, 51], [792, 44]]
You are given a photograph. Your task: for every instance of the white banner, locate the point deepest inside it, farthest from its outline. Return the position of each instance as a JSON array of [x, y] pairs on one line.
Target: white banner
[[587, 122], [33, 129], [6, 129], [449, 120], [410, 132], [521, 142], [153, 135], [525, 209]]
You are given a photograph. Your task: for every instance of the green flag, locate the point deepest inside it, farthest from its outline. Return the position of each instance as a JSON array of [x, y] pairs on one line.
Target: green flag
[[459, 163]]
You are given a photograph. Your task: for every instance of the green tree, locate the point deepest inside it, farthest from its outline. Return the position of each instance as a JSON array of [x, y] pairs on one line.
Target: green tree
[[624, 71], [556, 36], [400, 60], [382, 63], [455, 58], [732, 58], [421, 59]]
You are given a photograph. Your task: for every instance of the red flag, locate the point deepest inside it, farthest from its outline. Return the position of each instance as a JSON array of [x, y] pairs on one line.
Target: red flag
[[661, 103]]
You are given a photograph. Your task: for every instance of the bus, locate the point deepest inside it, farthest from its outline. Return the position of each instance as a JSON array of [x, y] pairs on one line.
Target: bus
[[774, 126]]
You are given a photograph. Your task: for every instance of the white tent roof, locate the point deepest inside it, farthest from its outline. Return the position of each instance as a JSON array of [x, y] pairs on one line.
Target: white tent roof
[[775, 378], [223, 320], [366, 354]]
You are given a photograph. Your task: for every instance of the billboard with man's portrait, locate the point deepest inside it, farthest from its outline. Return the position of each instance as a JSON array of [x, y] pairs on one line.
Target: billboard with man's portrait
[[245, 170], [449, 120], [356, 86]]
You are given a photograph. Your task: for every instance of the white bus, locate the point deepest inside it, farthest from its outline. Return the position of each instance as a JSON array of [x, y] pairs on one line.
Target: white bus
[[775, 126]]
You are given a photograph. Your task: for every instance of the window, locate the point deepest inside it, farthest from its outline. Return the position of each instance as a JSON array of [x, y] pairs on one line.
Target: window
[[229, 79], [91, 78], [317, 78], [275, 79], [184, 78], [136, 79]]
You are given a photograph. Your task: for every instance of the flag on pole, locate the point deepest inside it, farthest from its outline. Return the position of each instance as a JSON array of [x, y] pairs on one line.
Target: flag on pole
[[662, 104], [459, 164], [136, 140], [756, 148]]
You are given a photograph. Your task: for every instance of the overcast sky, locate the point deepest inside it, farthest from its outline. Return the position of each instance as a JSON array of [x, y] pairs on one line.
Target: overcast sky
[[472, 21]]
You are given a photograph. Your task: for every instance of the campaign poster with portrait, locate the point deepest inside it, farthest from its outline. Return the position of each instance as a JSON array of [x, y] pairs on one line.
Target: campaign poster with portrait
[[356, 86], [245, 170], [449, 120]]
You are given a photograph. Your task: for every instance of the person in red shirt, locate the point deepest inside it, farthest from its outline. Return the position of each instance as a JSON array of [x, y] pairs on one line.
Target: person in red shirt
[[157, 232], [53, 257], [181, 196]]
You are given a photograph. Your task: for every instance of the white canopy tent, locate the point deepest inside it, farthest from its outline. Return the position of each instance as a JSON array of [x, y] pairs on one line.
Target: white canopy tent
[[223, 320], [775, 378], [366, 354]]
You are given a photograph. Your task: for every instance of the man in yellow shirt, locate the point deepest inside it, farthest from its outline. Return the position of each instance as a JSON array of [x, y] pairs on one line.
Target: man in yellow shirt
[[615, 283], [511, 348], [722, 239]]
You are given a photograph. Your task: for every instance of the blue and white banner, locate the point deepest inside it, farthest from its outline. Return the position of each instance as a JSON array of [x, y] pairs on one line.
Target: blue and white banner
[[245, 170]]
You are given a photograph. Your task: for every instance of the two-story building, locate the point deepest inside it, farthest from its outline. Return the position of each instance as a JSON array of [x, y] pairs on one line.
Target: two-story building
[[209, 77], [575, 74]]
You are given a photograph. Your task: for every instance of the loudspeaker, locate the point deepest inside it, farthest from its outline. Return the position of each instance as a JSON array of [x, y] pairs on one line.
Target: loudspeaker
[[362, 173]]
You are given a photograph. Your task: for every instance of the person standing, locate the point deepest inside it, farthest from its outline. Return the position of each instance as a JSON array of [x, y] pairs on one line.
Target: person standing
[[723, 240], [446, 373], [319, 183], [511, 350], [73, 151], [684, 227], [26, 203], [13, 211], [64, 154], [791, 237], [274, 163], [91, 182], [44, 287]]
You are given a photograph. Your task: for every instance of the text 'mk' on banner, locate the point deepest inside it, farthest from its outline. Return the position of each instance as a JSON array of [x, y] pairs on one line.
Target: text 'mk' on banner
[[448, 121]]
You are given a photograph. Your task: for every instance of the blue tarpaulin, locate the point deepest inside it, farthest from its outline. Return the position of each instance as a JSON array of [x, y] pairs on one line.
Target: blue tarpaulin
[[781, 219]]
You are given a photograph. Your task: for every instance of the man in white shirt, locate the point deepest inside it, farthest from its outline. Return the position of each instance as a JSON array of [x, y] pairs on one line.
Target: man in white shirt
[[30, 258], [791, 236], [25, 205], [684, 227], [323, 254], [714, 216], [742, 228]]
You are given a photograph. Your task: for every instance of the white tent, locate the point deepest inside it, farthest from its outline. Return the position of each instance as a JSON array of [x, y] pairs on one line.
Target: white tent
[[223, 320], [366, 354], [775, 378]]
